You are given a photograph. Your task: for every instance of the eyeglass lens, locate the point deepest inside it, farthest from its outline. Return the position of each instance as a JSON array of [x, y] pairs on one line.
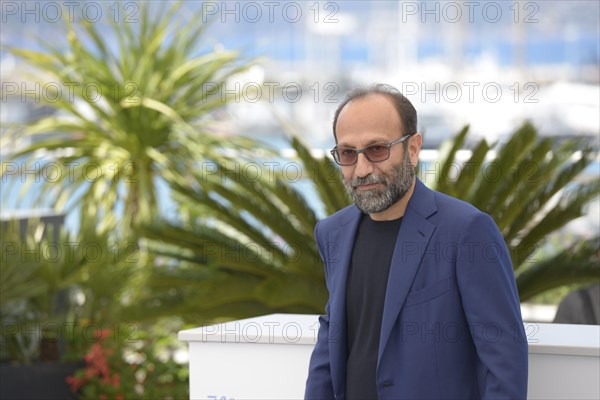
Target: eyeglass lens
[[374, 153]]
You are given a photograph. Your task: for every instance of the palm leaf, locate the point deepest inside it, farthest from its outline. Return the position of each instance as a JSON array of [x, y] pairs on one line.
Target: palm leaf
[[536, 196], [575, 264], [153, 83]]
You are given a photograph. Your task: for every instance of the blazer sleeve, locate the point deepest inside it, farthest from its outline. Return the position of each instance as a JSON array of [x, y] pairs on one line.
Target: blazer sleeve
[[491, 304], [319, 384]]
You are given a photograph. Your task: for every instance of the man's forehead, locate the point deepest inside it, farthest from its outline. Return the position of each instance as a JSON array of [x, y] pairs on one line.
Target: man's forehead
[[373, 109]]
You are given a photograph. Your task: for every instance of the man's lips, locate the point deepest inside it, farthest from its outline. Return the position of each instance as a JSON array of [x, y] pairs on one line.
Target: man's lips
[[367, 186]]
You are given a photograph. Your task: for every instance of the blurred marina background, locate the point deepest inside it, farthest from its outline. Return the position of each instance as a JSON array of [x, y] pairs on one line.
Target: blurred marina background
[[491, 65]]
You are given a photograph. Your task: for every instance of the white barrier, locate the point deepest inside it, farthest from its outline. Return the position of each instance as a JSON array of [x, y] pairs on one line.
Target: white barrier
[[267, 358]]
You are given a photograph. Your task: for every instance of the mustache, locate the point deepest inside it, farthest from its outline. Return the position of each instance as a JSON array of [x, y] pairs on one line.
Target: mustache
[[366, 180]]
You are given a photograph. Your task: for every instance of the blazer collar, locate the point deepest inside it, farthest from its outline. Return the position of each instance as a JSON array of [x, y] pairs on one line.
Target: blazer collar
[[414, 236], [422, 201]]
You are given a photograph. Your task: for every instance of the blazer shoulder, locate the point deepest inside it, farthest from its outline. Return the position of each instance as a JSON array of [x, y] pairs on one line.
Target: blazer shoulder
[[457, 219], [453, 208]]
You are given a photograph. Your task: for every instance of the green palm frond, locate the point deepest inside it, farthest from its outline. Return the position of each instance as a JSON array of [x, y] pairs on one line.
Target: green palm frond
[[324, 174], [253, 238], [19, 281], [531, 191], [575, 264], [449, 149], [59, 278], [131, 99]]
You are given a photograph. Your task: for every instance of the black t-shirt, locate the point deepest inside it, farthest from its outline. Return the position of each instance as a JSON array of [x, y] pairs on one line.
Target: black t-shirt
[[365, 296]]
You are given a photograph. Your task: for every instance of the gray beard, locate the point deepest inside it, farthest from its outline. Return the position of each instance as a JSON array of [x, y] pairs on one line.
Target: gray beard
[[396, 185]]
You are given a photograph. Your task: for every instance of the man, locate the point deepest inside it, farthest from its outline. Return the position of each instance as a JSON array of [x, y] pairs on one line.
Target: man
[[422, 297]]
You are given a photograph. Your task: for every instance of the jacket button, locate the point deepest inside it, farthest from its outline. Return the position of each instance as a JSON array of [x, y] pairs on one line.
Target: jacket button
[[387, 383]]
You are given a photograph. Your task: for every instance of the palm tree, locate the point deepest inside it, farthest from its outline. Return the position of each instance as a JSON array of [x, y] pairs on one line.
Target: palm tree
[[135, 91], [248, 248], [256, 255], [531, 188]]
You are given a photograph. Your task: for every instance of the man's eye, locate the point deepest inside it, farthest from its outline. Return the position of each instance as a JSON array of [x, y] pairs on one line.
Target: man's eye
[[377, 148], [347, 152]]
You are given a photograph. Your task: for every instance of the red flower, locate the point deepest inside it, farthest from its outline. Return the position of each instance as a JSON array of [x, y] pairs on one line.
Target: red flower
[[75, 383], [90, 373], [104, 333], [98, 368], [116, 381]]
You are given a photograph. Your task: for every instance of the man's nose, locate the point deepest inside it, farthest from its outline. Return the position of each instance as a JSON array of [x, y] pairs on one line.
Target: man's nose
[[363, 166]]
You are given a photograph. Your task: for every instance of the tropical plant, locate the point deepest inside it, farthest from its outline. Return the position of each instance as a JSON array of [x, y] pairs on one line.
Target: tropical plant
[[248, 247], [48, 286], [125, 364], [20, 287], [255, 254], [124, 94], [530, 187]]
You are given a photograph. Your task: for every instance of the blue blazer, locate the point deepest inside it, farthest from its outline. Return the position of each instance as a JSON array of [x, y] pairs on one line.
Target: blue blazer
[[451, 327]]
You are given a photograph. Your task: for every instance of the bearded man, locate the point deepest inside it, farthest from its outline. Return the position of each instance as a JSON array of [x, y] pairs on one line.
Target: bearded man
[[422, 297]]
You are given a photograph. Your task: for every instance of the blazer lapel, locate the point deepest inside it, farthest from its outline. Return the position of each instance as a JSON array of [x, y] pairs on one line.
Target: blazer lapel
[[413, 238], [339, 262]]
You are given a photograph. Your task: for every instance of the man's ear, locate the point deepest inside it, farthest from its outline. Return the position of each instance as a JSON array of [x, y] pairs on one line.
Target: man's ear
[[414, 148]]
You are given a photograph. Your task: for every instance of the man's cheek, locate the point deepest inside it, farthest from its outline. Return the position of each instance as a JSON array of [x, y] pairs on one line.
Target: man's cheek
[[347, 176]]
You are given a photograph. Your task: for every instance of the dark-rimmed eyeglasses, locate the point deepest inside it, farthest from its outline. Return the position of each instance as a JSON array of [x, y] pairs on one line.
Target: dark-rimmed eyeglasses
[[375, 152]]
